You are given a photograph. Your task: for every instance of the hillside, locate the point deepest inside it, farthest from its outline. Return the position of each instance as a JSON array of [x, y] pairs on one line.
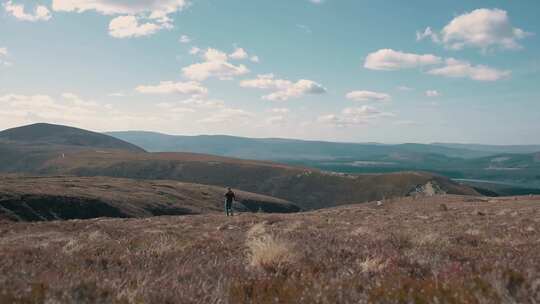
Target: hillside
[[305, 187], [308, 188], [443, 249], [24, 198], [43, 134]]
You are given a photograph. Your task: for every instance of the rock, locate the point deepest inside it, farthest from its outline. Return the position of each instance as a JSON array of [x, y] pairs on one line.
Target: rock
[[443, 207], [379, 203]]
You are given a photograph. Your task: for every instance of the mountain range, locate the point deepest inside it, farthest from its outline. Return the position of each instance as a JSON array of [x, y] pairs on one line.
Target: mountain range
[[30, 150]]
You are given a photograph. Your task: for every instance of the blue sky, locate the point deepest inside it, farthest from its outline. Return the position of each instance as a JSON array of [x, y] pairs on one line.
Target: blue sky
[[343, 70]]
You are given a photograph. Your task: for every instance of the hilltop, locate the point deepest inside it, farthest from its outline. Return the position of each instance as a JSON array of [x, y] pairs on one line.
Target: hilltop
[[444, 249], [43, 134], [24, 198]]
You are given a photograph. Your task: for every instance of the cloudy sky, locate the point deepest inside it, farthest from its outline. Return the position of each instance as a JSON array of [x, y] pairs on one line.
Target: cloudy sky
[[343, 70]]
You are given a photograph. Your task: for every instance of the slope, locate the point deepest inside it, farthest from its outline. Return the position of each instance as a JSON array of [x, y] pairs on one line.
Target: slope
[[24, 198]]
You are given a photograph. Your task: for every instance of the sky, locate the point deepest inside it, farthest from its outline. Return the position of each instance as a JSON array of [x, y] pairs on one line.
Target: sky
[[338, 70]]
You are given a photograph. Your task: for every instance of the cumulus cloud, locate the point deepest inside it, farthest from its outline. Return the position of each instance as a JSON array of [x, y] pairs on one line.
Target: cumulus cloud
[[483, 28], [155, 8], [354, 116], [154, 13], [129, 26], [283, 89], [432, 93], [215, 64], [366, 96], [462, 69], [69, 109], [238, 54], [41, 12], [169, 87], [228, 115], [390, 60]]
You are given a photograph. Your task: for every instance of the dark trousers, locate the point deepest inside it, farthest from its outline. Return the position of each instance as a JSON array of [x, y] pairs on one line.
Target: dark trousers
[[228, 208]]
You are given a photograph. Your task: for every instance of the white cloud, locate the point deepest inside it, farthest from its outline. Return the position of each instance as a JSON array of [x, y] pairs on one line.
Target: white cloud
[[155, 8], [31, 108], [228, 115], [185, 39], [155, 12], [41, 13], [432, 93], [404, 88], [203, 103], [280, 110], [238, 54], [169, 87], [283, 89], [255, 59], [366, 96], [390, 60], [215, 64], [354, 116], [316, 1], [462, 69], [128, 26], [481, 28]]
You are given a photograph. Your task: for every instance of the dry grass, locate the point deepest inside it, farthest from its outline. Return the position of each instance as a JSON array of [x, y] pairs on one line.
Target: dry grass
[[271, 253], [405, 252]]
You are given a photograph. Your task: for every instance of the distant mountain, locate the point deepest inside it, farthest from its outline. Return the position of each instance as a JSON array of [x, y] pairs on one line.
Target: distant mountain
[[48, 134], [286, 149], [495, 149]]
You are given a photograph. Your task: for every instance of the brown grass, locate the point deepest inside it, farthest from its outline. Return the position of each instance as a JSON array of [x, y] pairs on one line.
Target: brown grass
[[405, 252]]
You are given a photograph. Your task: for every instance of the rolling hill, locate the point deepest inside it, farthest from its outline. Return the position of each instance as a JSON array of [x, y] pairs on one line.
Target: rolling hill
[[62, 198], [285, 149], [307, 188], [43, 134]]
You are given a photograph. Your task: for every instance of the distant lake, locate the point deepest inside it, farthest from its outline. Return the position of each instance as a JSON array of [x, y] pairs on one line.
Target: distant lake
[[504, 183]]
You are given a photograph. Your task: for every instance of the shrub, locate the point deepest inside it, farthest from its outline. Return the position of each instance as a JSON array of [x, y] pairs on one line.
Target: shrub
[[270, 253]]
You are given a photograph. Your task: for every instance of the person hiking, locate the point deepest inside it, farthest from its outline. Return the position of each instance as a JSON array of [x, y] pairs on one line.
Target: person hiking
[[229, 198]]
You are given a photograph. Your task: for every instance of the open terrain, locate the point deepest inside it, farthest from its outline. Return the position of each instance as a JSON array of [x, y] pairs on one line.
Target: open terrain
[[510, 164], [24, 198], [443, 249], [305, 187]]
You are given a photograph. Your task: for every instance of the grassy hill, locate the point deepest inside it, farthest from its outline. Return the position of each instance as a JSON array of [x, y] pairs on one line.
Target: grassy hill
[[446, 249], [24, 198], [43, 134], [305, 187]]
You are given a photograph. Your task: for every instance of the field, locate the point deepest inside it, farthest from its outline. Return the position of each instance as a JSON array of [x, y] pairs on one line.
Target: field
[[445, 249]]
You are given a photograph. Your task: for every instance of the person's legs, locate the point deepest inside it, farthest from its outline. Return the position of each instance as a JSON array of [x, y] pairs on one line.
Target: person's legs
[[226, 205], [228, 208]]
